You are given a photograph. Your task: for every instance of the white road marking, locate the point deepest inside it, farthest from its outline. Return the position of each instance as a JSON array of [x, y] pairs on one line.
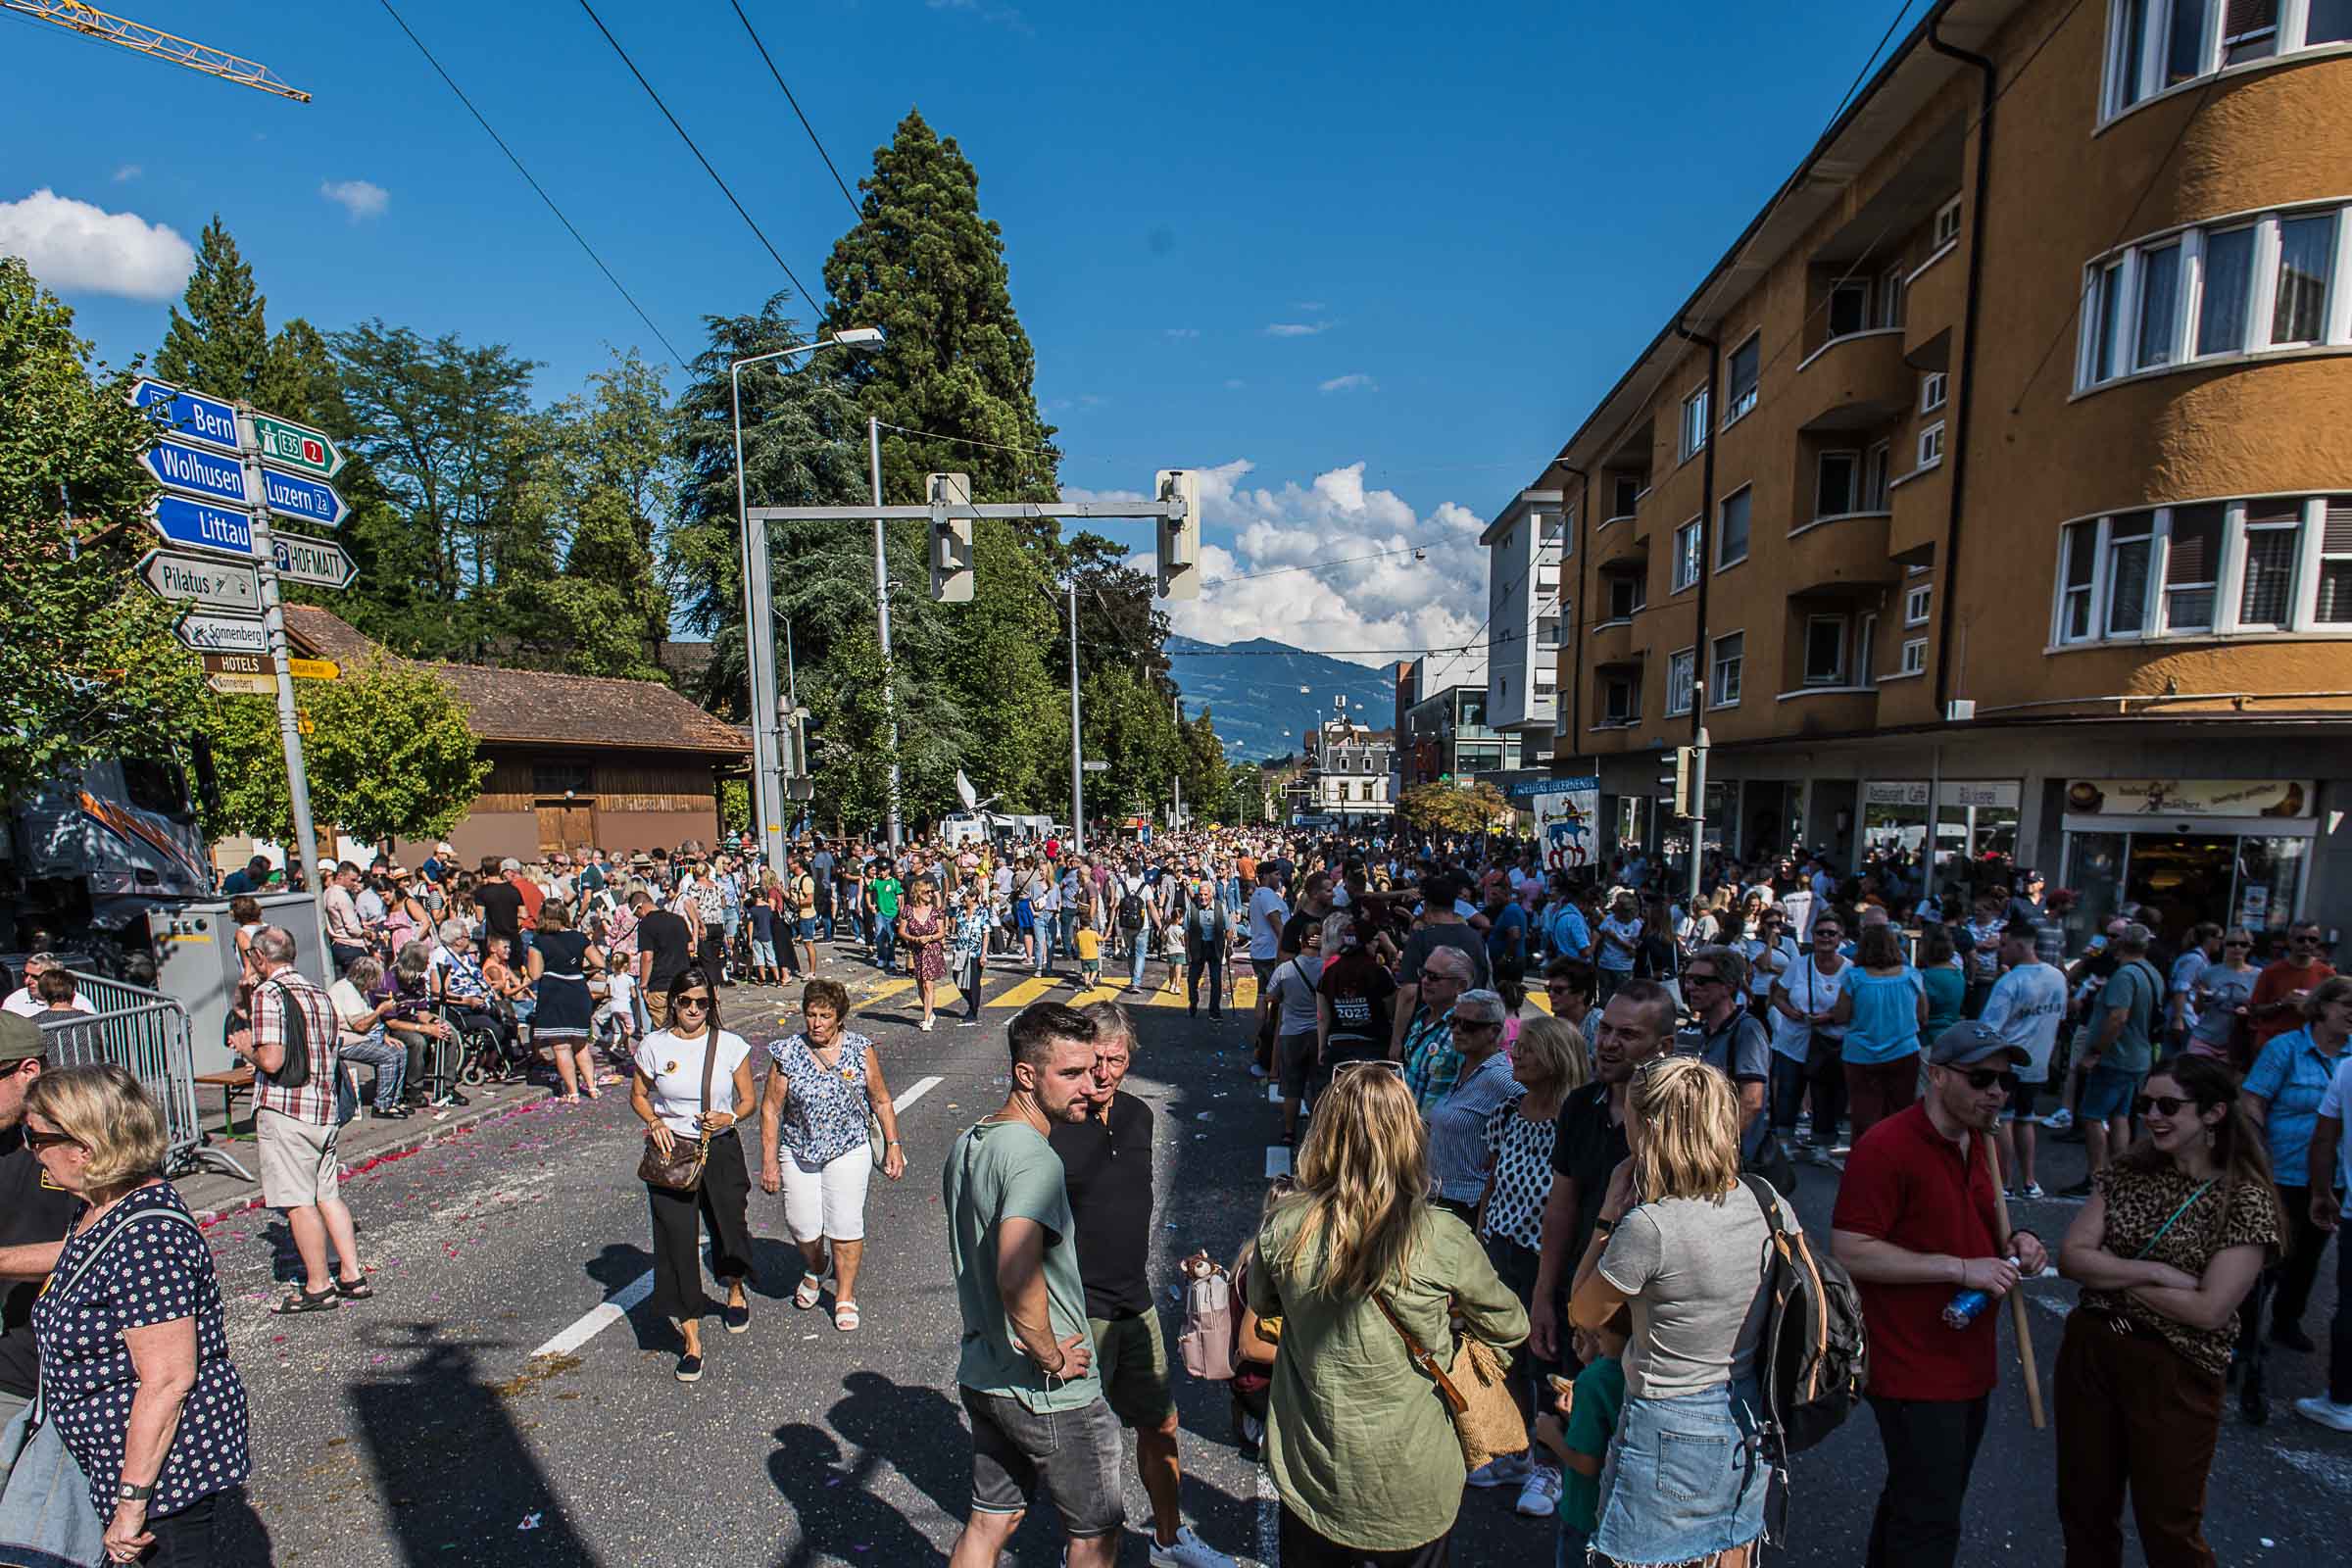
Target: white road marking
[[616, 1306], [2325, 1468], [1273, 1093], [1278, 1160]]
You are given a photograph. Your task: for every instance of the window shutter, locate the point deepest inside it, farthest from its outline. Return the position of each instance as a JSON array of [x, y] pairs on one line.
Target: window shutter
[[2335, 526], [2248, 16], [2195, 554]]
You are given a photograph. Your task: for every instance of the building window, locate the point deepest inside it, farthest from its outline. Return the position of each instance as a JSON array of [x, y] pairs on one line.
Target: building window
[[1547, 633], [1915, 605], [1947, 224], [1731, 528], [1876, 480], [1740, 378], [1627, 489], [1931, 391], [2199, 293], [1834, 486], [1686, 556], [1620, 699], [1824, 650], [1695, 423], [560, 779], [1849, 309], [1731, 652], [1930, 445], [1889, 302], [1628, 591], [1915, 655], [1680, 676], [2158, 46], [2262, 566]]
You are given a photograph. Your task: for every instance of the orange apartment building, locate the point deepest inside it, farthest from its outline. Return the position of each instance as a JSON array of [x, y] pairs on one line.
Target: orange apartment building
[[2000, 474]]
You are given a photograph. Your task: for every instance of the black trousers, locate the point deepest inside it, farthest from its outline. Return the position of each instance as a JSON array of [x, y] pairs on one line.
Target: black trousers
[[969, 978], [1516, 1267], [1931, 1446], [713, 953], [188, 1539], [1827, 1081], [679, 1219], [1207, 963], [1302, 1547]]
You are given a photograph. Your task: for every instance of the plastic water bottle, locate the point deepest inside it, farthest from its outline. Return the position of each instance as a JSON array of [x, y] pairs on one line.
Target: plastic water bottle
[[1962, 1309]]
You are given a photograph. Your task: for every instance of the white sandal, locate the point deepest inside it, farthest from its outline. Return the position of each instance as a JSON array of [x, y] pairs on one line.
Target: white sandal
[[845, 1316], [805, 1293]]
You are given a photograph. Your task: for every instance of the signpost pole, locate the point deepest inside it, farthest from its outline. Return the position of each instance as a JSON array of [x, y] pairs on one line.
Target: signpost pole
[[1077, 764], [890, 699], [274, 627], [1698, 803]]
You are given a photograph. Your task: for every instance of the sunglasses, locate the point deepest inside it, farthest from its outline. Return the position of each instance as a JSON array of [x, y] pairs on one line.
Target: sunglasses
[[2237, 944], [2161, 1104], [703, 1001], [1981, 1079], [1702, 979], [34, 1139], [1382, 1062], [1826, 933]]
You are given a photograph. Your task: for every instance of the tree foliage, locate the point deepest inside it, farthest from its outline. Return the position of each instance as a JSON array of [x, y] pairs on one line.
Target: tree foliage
[[1465, 806], [88, 666]]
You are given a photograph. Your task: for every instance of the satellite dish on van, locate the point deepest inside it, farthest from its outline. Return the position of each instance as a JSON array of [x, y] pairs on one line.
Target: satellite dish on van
[[964, 791]]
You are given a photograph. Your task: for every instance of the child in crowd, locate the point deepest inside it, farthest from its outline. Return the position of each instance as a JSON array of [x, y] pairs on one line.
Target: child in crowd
[[1171, 948], [1090, 951], [1591, 1409]]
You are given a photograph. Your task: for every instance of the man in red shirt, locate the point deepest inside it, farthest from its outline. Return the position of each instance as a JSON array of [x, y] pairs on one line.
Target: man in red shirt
[[2277, 1004], [1915, 1225]]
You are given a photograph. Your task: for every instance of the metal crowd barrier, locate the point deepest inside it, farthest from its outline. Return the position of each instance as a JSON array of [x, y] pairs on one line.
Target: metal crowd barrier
[[146, 1033]]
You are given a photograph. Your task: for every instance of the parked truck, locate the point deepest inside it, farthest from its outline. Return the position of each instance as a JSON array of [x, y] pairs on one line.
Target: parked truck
[[86, 856]]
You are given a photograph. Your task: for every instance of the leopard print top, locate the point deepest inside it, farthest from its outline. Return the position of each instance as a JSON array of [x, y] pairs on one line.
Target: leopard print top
[[2139, 1203]]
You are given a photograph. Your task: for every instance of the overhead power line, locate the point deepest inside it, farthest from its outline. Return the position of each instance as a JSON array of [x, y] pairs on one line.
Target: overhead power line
[[796, 108], [696, 151], [674, 357]]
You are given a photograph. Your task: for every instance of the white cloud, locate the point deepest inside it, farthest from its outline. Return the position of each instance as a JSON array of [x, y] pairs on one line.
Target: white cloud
[[74, 247], [1298, 328], [1310, 307], [1358, 382], [1391, 601], [1235, 384], [1001, 16], [127, 171], [1182, 332], [360, 198]]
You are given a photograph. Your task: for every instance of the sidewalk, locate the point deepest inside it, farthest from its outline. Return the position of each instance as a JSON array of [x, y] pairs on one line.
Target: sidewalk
[[212, 1195]]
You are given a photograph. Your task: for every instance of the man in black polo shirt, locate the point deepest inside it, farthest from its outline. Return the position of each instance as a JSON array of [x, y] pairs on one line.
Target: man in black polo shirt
[[665, 946], [1107, 1168], [1636, 1026], [33, 1215]]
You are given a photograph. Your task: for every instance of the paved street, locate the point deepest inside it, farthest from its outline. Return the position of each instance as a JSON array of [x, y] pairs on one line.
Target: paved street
[[489, 1406]]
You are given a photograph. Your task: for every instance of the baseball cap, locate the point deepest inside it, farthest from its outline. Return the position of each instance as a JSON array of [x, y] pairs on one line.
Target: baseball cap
[[20, 1039], [1970, 1041]]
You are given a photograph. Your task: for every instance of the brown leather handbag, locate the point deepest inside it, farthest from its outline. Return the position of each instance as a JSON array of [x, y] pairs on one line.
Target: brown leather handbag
[[682, 1169], [1486, 1417]]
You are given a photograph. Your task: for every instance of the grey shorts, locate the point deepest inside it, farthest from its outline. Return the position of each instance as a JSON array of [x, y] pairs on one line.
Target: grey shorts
[[1074, 1453], [299, 1166]]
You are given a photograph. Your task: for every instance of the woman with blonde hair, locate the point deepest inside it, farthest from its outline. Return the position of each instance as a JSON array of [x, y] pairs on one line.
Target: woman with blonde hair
[[135, 1374], [1683, 1243], [1363, 1455]]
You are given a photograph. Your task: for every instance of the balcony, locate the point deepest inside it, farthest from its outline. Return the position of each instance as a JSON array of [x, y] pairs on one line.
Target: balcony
[[1620, 548], [1827, 710], [1933, 303], [1922, 505], [1856, 382], [1610, 642], [1830, 554]]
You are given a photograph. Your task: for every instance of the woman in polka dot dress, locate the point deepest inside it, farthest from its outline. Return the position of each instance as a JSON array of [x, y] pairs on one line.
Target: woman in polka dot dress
[[134, 1362]]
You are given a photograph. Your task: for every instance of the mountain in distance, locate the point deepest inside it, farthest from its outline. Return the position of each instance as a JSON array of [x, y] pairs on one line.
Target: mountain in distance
[[1251, 689]]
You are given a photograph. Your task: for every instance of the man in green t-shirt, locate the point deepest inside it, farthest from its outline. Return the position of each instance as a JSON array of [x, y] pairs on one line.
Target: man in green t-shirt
[[882, 892], [1026, 1373], [2123, 1023]]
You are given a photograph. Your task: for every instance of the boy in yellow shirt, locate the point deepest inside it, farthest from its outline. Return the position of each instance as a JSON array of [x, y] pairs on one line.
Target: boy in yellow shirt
[[1090, 951]]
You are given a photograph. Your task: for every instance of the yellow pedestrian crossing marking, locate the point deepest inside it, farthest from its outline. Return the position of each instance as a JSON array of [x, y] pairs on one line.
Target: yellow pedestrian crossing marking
[[1025, 993], [1098, 994], [1162, 997], [1539, 1001], [884, 992], [1244, 991]]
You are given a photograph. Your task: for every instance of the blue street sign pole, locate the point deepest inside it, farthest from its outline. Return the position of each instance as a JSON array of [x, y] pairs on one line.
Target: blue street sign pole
[[274, 630]]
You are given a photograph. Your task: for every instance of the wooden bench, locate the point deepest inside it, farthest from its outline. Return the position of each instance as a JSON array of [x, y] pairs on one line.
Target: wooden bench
[[236, 1081]]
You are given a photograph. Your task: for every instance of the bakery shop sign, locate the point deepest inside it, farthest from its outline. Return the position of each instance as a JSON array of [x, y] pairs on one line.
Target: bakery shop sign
[[2191, 797]]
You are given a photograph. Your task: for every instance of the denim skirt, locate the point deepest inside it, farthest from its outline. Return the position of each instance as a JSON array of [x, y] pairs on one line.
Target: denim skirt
[[1685, 1478]]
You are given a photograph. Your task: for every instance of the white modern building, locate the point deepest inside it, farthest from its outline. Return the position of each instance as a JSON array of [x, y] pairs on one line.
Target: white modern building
[[1527, 557]]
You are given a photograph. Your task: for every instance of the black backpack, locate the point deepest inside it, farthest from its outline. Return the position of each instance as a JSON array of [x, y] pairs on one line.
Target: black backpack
[[1131, 911], [294, 1073], [1814, 1356]]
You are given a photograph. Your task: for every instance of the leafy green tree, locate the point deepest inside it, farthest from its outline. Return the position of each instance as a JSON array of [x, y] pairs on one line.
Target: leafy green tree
[[1464, 806], [1246, 786], [1201, 761], [219, 343], [389, 755], [88, 666]]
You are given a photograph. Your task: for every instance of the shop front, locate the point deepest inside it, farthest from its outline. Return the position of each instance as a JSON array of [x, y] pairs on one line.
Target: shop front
[[1976, 824], [2232, 850]]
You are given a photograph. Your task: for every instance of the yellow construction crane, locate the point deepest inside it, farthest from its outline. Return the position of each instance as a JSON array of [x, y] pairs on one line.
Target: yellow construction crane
[[93, 23]]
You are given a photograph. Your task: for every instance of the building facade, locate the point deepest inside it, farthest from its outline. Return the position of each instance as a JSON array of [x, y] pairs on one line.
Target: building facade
[[1526, 606], [1993, 491], [1349, 779], [1447, 735]]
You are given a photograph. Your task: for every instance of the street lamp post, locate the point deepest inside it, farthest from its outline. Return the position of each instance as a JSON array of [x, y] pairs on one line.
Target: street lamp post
[[758, 628]]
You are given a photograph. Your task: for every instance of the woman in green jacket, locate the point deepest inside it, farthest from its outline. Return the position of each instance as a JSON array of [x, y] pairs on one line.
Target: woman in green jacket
[[1363, 1451]]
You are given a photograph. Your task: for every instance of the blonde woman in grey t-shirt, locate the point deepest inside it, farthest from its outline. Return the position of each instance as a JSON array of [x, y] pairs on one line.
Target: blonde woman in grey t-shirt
[[1682, 1242]]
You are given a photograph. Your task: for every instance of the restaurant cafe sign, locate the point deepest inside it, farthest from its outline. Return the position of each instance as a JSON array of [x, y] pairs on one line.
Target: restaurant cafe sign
[[2191, 797], [1996, 794]]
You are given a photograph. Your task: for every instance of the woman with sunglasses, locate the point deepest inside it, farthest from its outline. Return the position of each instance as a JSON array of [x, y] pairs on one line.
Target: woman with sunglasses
[[666, 1092], [2224, 988], [2167, 1246], [2282, 1094]]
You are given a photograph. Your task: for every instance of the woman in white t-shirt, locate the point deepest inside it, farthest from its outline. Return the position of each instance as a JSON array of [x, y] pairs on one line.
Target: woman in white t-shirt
[[359, 1032], [666, 1092], [1803, 1000]]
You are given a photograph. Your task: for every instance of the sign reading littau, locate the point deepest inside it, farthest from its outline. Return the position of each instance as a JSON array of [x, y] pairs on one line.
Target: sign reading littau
[[202, 526]]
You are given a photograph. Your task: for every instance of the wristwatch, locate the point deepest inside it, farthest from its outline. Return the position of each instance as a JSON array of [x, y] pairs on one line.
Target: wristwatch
[[1603, 1226], [127, 1493]]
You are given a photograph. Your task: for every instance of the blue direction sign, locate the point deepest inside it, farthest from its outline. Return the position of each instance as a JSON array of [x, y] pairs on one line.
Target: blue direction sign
[[203, 526], [195, 471], [192, 413], [289, 495]]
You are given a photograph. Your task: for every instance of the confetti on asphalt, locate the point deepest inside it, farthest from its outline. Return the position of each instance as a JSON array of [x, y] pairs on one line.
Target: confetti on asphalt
[[530, 1521]]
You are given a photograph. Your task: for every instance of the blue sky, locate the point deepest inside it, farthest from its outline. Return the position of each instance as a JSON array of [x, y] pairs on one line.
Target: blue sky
[[1370, 263]]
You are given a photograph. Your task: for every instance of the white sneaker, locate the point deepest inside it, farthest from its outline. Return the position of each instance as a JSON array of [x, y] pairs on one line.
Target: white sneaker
[[2059, 1120], [2032, 1191], [1509, 1470], [2325, 1412], [1188, 1550], [1541, 1496]]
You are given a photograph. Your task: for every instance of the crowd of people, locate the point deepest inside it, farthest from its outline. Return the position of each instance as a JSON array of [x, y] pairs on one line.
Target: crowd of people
[[1581, 1185]]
